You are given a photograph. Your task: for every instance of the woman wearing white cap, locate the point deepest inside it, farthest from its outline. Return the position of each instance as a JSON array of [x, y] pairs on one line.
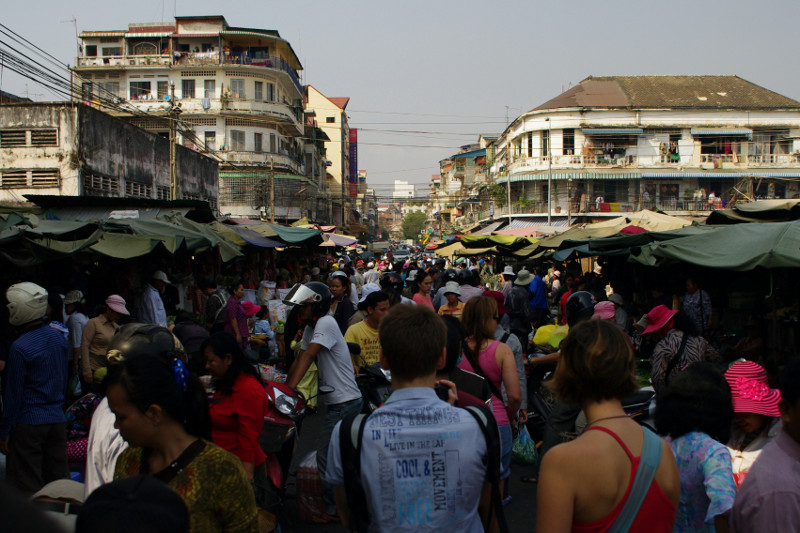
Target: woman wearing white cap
[[97, 334]]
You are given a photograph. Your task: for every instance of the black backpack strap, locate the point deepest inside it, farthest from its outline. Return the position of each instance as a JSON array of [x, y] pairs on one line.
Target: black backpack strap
[[350, 433], [505, 337], [485, 419]]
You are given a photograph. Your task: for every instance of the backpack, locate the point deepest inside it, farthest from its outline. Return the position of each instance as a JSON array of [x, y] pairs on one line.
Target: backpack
[[351, 433]]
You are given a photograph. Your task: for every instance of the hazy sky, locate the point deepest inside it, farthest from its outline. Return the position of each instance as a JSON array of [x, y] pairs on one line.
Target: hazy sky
[[449, 70]]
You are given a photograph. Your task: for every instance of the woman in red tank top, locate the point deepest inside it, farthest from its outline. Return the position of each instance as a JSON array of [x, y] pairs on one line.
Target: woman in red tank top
[[584, 484]]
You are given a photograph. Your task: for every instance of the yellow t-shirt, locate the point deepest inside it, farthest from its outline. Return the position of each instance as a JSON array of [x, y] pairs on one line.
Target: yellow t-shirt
[[366, 337], [457, 311]]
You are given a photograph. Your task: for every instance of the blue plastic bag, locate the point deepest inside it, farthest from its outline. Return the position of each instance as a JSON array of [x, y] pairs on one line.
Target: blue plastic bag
[[524, 449]]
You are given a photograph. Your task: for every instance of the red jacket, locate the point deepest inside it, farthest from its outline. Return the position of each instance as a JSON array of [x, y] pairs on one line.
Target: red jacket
[[237, 419]]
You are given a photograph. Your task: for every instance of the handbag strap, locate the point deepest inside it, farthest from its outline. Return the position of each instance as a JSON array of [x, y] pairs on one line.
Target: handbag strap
[[648, 464]]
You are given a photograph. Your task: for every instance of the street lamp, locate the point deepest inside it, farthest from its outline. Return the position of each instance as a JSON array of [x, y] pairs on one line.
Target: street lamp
[[549, 168]]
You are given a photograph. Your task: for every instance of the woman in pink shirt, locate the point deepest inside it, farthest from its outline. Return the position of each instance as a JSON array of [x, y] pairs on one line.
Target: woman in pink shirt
[[420, 283]]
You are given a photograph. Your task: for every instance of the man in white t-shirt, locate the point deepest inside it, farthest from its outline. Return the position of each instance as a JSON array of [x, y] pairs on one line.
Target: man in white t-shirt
[[324, 344]]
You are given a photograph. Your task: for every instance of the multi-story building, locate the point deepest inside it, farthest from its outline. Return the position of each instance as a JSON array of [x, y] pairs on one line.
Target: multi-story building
[[70, 149], [240, 99], [403, 190], [682, 144], [332, 119]]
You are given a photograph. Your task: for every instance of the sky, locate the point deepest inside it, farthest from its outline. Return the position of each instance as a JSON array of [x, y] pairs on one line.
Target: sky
[[426, 77]]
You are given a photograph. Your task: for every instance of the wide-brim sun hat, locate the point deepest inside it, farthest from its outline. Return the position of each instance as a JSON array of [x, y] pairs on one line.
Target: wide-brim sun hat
[[604, 311], [500, 299], [116, 303], [523, 278], [750, 390], [657, 318], [250, 308], [452, 288], [73, 297], [508, 271]]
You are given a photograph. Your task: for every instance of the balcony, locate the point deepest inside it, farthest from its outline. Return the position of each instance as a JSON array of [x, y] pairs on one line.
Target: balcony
[[264, 158], [125, 61]]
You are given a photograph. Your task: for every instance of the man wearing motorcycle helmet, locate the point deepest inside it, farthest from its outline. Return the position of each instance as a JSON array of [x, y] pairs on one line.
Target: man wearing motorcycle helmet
[[392, 284], [105, 443], [324, 344], [579, 307], [33, 428]]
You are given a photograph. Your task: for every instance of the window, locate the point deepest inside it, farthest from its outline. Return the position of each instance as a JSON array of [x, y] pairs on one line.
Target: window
[[162, 192], [108, 89], [137, 190], [545, 143], [11, 138], [206, 47], [45, 178], [237, 140], [330, 120], [86, 90], [273, 143], [210, 138], [258, 94], [258, 142], [112, 51], [140, 89], [568, 141], [187, 88], [14, 179], [44, 137], [270, 92], [163, 89], [209, 88], [91, 50], [183, 48], [530, 144], [237, 88]]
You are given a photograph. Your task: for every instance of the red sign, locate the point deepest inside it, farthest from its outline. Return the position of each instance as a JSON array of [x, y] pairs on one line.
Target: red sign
[[353, 189], [354, 135]]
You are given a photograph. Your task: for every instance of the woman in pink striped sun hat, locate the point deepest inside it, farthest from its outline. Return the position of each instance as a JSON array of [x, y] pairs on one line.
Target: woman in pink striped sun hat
[[757, 418]]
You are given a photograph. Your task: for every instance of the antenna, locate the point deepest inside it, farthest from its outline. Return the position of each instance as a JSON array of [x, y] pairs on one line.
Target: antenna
[[74, 22]]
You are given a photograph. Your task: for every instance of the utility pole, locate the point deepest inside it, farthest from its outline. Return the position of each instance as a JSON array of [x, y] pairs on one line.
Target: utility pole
[[271, 191], [173, 113]]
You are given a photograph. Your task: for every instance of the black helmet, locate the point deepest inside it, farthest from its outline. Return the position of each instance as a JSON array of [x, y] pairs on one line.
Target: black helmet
[[467, 276], [580, 307], [136, 339], [392, 281], [314, 293], [451, 274]]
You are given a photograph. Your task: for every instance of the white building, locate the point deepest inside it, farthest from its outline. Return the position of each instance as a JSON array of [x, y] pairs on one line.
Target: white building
[[403, 190], [622, 143], [240, 97]]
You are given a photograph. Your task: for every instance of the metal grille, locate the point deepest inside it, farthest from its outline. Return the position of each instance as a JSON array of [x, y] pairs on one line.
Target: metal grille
[[201, 121], [198, 73], [15, 179], [244, 122], [162, 193], [11, 138], [237, 74], [137, 190], [98, 183], [45, 178], [241, 190], [150, 123], [44, 137]]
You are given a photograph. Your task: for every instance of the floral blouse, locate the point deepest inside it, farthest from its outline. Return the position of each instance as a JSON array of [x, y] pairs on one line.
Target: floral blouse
[[707, 486]]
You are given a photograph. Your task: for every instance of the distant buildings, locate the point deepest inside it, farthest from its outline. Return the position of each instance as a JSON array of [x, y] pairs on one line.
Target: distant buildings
[[403, 190]]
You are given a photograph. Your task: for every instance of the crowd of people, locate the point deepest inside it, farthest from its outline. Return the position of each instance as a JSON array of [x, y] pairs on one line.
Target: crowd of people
[[131, 395]]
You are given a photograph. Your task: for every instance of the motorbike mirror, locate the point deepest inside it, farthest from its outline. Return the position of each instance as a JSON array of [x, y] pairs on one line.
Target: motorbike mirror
[[325, 389]]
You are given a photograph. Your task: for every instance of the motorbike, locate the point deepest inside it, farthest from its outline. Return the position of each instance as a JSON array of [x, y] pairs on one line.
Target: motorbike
[[286, 409], [374, 382], [541, 400]]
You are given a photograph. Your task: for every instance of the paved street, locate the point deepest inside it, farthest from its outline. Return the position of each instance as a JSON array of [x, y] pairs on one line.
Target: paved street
[[520, 513]]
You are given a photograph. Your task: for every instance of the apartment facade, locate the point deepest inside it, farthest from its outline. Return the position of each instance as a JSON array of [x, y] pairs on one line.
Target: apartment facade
[[240, 97], [70, 149], [682, 144]]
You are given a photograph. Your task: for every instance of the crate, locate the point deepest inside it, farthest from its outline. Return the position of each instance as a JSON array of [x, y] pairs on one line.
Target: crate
[[310, 504]]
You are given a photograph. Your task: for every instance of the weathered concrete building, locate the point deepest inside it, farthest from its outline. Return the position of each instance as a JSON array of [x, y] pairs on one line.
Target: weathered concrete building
[[71, 149]]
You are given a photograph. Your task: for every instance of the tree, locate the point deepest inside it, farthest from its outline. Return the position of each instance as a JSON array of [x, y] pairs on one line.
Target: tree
[[413, 224]]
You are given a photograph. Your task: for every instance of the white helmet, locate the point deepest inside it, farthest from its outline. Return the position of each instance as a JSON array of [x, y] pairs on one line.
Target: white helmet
[[26, 302]]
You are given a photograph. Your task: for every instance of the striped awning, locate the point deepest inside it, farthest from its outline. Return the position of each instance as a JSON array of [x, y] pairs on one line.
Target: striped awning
[[722, 131], [89, 34], [150, 35], [612, 131], [560, 176], [719, 175], [532, 222]]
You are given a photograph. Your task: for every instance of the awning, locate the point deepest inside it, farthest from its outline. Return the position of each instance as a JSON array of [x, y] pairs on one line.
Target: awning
[[612, 131], [149, 34], [720, 175], [530, 222], [490, 228], [468, 155], [722, 131], [542, 176]]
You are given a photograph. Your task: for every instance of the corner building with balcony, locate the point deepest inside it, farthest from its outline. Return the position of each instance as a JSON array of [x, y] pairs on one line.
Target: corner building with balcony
[[682, 144], [240, 97]]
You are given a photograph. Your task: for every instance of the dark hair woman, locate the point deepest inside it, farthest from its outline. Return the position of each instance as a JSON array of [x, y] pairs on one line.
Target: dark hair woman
[[163, 414], [420, 285], [696, 412], [237, 407], [494, 361], [236, 316], [584, 484], [342, 306]]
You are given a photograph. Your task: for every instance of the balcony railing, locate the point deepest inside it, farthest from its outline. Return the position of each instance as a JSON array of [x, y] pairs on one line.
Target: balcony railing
[[193, 59], [263, 158]]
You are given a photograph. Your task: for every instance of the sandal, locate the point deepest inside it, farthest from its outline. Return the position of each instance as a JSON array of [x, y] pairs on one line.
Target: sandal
[[529, 479]]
